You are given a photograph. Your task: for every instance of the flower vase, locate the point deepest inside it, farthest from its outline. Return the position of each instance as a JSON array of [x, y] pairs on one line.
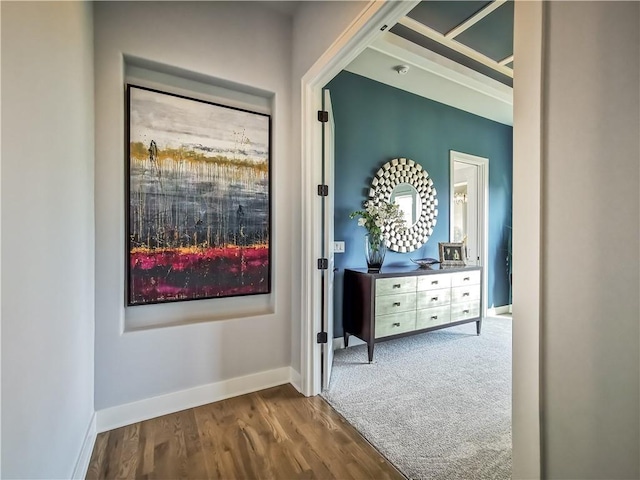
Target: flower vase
[[374, 250]]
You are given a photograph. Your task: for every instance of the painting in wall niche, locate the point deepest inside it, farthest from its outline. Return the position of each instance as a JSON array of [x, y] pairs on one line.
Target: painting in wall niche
[[198, 196]]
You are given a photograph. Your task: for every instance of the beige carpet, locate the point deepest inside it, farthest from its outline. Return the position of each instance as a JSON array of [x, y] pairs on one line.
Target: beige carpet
[[437, 405]]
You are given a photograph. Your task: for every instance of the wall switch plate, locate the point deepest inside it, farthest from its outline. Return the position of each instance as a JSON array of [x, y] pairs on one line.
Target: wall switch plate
[[338, 247]]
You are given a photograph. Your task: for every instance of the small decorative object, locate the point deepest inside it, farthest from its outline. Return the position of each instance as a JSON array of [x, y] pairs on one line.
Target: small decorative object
[[425, 262], [198, 208], [374, 251], [452, 254], [378, 218]]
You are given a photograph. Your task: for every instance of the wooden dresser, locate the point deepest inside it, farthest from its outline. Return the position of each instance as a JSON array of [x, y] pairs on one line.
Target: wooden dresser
[[404, 301]]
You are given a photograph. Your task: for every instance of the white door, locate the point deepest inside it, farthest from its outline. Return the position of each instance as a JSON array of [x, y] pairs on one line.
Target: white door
[[469, 210], [465, 210], [328, 131]]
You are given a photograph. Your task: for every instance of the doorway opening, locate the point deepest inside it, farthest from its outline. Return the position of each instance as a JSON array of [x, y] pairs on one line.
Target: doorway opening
[[527, 153], [469, 211]]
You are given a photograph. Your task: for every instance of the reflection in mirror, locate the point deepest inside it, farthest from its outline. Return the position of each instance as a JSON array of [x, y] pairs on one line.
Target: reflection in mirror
[[406, 196]]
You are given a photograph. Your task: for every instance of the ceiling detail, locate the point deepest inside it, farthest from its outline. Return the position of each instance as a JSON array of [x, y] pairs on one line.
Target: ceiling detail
[[435, 77], [459, 53], [477, 34]]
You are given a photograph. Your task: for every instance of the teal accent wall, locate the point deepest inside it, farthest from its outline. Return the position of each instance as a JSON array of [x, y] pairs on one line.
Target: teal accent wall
[[375, 123]]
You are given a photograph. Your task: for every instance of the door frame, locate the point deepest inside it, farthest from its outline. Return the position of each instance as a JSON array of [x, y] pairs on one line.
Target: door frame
[[371, 22], [529, 21], [483, 199]]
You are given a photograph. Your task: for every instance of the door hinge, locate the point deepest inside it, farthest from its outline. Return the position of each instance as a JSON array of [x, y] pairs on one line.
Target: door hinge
[[322, 337], [323, 116], [323, 190], [323, 264]]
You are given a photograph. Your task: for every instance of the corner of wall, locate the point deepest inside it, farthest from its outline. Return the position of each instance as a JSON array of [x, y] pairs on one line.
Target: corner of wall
[[82, 464]]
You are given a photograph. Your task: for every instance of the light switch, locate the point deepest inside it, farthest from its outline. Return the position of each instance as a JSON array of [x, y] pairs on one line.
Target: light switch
[[338, 247]]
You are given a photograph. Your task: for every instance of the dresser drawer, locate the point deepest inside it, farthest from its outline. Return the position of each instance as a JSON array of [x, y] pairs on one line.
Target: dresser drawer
[[394, 324], [463, 311], [434, 282], [459, 279], [468, 293], [390, 304], [433, 298], [393, 286], [431, 317]]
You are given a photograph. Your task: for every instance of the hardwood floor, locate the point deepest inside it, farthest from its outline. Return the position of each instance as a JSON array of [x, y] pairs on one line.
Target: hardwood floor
[[272, 434]]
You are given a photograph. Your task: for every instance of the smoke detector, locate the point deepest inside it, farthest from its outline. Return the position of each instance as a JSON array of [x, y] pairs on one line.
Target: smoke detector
[[401, 69]]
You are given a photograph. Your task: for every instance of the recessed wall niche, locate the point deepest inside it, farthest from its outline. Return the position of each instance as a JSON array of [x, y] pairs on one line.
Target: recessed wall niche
[[177, 81]]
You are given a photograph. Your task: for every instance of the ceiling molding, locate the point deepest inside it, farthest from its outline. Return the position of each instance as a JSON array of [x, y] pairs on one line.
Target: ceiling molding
[[455, 45], [434, 77], [471, 21]]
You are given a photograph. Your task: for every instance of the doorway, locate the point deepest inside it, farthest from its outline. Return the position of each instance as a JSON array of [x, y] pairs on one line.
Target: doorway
[[526, 206], [469, 211]]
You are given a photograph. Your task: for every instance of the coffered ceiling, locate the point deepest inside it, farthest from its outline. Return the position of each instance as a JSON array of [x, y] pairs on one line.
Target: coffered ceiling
[[458, 52]]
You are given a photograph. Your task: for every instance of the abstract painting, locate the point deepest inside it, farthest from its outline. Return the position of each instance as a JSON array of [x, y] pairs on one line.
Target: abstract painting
[[198, 195]]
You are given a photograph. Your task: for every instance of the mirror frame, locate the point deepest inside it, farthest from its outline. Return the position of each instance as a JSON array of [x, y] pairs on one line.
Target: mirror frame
[[390, 175]]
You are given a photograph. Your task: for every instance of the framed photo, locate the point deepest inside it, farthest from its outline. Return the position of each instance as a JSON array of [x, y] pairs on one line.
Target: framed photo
[[198, 199], [452, 254]]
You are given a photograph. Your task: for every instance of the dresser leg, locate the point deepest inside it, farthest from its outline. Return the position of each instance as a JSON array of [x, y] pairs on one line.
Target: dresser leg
[[346, 339], [370, 349], [478, 326]]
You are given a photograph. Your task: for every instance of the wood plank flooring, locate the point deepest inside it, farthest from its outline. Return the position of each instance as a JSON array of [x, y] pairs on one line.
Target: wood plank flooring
[[272, 434]]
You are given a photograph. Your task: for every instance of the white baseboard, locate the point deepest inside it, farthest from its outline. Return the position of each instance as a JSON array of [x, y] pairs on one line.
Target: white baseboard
[[498, 310], [338, 343], [82, 464], [296, 379], [121, 415]]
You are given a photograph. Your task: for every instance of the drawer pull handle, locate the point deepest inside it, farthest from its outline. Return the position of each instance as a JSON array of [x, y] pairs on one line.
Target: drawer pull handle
[[397, 324], [465, 294], [434, 317], [434, 299], [435, 282], [466, 279], [396, 304], [397, 285], [465, 311]]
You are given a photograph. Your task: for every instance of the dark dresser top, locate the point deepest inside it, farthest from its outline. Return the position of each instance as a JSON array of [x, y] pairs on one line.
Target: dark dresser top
[[402, 271]]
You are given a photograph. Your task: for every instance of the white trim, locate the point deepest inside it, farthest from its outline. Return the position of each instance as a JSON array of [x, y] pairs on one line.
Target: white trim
[[471, 21], [338, 342], [492, 312], [354, 40], [483, 194], [82, 464], [527, 237], [506, 61], [296, 379], [408, 52], [129, 413], [455, 45]]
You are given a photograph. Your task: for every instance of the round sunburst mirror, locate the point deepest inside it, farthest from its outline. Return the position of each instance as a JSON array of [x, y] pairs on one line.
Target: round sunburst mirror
[[406, 183]]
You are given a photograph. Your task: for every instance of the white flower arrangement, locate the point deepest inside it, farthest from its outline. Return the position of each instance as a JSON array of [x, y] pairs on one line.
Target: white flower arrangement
[[376, 217]]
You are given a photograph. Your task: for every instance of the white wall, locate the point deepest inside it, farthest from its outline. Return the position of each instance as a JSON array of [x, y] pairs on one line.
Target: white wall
[[229, 42], [48, 237], [590, 275]]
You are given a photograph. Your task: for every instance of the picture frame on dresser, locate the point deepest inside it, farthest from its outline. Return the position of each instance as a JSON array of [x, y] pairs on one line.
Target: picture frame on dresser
[[452, 254]]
